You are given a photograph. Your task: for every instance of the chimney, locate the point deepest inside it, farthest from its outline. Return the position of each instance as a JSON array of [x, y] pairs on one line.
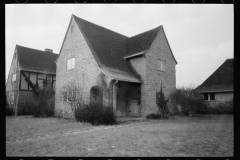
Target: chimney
[[48, 50]]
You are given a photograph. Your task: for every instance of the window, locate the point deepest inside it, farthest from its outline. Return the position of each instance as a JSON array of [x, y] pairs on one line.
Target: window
[[96, 95], [36, 78], [161, 65], [71, 63], [14, 77], [205, 96], [212, 96], [24, 84], [69, 96]]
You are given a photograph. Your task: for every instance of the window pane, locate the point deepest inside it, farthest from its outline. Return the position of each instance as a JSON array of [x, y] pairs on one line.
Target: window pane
[[212, 96], [49, 77], [24, 84], [68, 64], [163, 66], [54, 84], [33, 77], [73, 62], [40, 83], [41, 76], [13, 77], [205, 96]]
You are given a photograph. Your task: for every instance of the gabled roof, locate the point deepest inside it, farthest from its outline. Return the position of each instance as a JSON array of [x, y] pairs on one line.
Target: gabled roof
[[109, 48], [141, 41], [36, 60], [220, 80]]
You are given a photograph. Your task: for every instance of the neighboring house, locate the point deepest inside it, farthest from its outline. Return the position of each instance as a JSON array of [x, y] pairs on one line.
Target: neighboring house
[[219, 86], [118, 71], [36, 65]]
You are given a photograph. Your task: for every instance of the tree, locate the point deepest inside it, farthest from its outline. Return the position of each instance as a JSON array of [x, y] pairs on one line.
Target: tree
[[162, 103]]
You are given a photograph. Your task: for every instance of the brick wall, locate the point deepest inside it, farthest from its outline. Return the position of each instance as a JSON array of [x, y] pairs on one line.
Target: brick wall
[[84, 74], [152, 78]]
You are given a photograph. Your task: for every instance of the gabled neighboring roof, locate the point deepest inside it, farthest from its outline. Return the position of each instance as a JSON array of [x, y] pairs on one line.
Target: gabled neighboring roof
[[36, 60], [220, 80]]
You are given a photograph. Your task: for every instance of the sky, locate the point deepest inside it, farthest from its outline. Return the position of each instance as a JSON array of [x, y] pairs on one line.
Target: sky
[[200, 35]]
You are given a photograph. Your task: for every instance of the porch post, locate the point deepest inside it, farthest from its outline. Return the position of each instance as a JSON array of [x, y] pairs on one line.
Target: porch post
[[115, 96]]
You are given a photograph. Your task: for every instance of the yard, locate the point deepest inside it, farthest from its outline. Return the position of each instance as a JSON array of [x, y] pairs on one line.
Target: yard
[[205, 135]]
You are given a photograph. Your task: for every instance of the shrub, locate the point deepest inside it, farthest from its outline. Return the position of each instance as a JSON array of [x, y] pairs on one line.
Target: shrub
[[96, 114], [44, 101], [9, 109], [188, 101], [222, 108], [25, 108], [155, 116]]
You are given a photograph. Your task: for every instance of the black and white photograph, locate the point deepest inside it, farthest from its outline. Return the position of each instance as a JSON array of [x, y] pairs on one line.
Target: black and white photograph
[[119, 80]]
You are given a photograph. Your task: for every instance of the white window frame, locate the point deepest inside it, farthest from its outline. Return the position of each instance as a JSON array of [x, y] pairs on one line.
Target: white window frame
[[14, 77], [70, 63], [161, 66]]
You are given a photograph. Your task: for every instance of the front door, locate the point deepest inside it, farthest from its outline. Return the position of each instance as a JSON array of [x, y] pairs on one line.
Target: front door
[[133, 104], [133, 107]]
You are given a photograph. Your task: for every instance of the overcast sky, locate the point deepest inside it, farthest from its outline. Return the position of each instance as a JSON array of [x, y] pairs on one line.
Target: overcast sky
[[200, 36]]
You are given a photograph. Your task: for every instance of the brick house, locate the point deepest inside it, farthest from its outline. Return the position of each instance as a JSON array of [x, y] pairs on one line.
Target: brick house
[[132, 69], [218, 87], [36, 65]]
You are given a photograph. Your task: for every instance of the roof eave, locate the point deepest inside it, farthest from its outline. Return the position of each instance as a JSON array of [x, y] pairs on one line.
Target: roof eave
[[135, 55]]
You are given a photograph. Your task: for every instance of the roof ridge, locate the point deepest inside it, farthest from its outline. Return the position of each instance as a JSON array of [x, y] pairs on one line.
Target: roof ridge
[[99, 26], [156, 28], [35, 49]]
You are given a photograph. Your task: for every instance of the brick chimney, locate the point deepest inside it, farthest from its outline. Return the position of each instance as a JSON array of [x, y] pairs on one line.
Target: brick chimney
[[48, 50]]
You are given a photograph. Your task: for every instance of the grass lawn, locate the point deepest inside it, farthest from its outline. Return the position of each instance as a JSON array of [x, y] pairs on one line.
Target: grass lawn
[[208, 135]]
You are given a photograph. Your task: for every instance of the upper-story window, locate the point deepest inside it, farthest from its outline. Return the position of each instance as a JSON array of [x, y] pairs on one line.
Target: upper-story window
[[161, 65], [71, 63]]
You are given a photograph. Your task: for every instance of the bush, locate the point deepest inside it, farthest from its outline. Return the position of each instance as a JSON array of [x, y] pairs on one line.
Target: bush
[[44, 101], [188, 101], [157, 116], [221, 108], [96, 114], [25, 108]]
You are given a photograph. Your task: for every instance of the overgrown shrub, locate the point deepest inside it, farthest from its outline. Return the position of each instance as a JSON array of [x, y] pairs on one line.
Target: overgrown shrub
[[188, 101], [96, 114], [44, 105], [9, 109], [25, 107], [162, 104], [221, 108]]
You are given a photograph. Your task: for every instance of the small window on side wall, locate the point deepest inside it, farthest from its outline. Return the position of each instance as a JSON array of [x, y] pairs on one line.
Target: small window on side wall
[[71, 63], [161, 65]]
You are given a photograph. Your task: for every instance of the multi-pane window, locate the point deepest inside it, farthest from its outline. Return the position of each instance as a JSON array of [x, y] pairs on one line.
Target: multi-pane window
[[209, 96], [36, 77], [161, 65], [212, 96], [70, 63], [14, 77], [69, 96]]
